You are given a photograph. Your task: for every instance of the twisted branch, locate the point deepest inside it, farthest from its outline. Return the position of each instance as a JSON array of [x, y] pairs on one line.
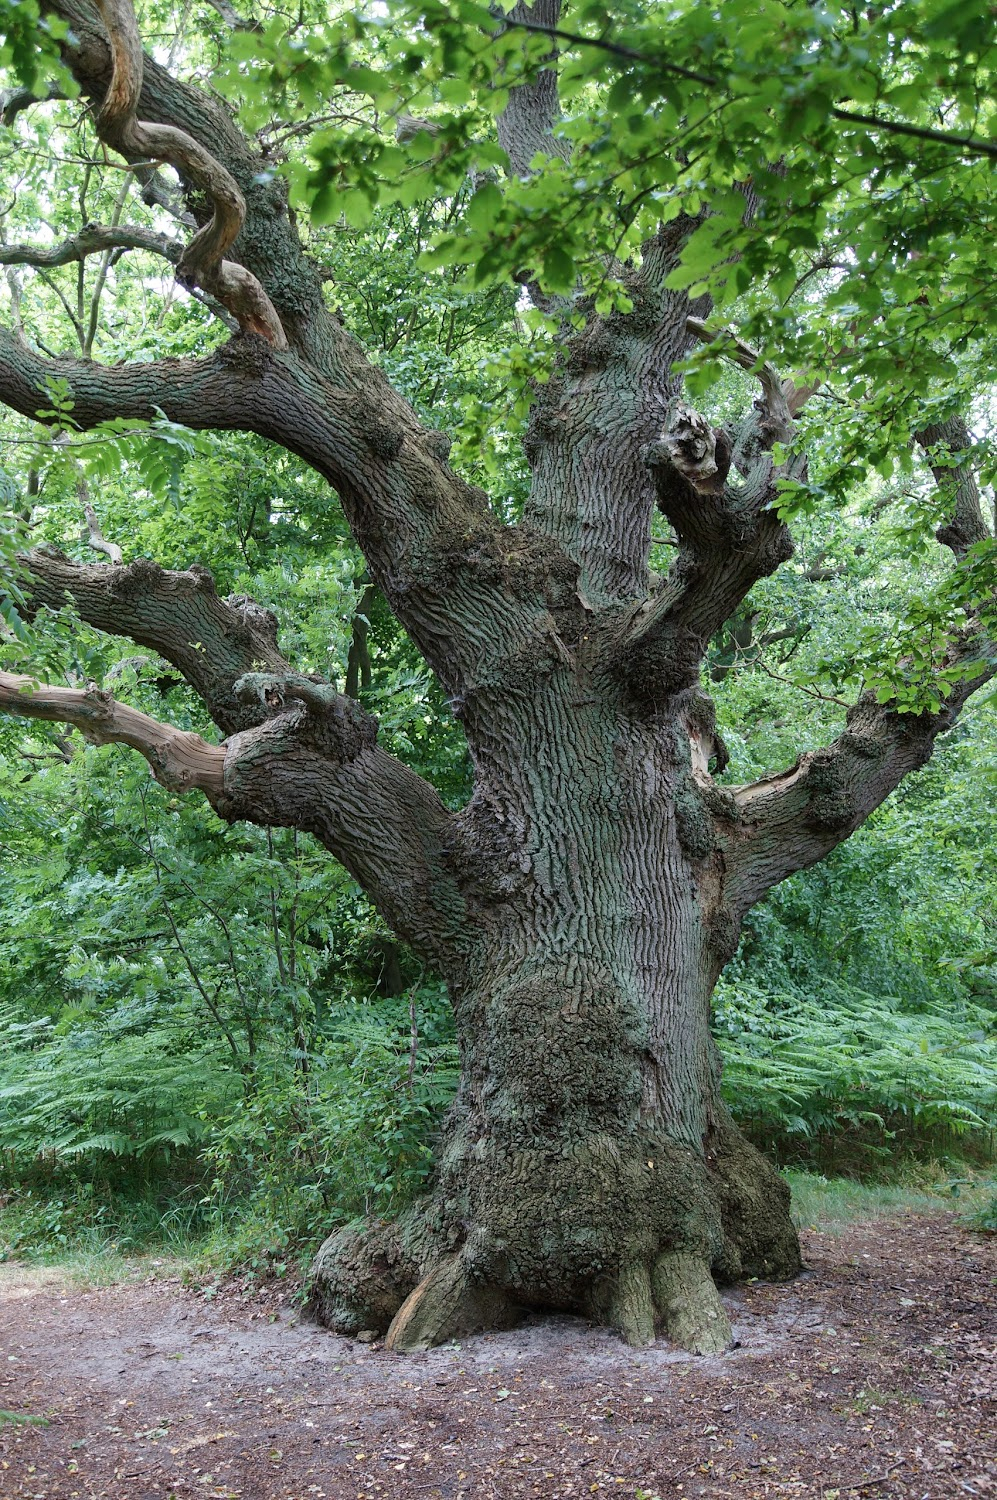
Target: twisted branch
[[203, 262]]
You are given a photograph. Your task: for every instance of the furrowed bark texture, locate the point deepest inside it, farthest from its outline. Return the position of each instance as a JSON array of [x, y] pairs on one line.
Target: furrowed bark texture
[[583, 904], [589, 1162]]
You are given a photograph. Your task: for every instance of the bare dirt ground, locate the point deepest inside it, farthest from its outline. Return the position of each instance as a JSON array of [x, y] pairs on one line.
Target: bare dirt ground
[[874, 1374]]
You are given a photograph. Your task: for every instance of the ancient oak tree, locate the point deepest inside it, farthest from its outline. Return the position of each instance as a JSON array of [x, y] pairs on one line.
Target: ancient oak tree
[[583, 903]]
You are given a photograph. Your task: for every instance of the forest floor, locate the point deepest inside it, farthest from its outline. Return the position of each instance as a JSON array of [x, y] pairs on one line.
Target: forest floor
[[874, 1374]]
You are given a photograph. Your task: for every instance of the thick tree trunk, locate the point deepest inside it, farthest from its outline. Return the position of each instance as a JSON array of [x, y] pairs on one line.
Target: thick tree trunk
[[588, 1163], [584, 903]]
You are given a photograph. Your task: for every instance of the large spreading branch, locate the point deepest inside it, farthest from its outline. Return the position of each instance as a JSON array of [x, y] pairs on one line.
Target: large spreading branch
[[786, 822], [299, 755], [590, 491], [267, 245], [212, 642], [526, 125], [947, 446], [312, 764], [474, 594]]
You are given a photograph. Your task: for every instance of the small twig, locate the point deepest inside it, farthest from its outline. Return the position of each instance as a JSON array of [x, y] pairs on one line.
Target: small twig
[[413, 1033], [810, 692], [862, 1484]]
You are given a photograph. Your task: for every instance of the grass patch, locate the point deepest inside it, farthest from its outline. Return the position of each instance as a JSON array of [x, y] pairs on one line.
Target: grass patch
[[834, 1203], [982, 1214], [45, 1243]]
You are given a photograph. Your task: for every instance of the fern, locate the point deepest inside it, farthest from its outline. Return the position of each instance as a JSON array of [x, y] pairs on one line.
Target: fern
[[796, 1067]]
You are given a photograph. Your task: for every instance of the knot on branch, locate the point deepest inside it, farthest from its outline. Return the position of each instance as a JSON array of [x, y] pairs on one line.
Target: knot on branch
[[693, 821], [250, 354], [261, 623], [832, 798], [693, 449], [203, 578], [723, 932], [384, 438], [134, 579], [437, 443], [98, 705], [336, 726]]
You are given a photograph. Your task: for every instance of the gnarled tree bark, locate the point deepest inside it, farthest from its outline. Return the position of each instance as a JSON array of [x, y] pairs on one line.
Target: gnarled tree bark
[[583, 904]]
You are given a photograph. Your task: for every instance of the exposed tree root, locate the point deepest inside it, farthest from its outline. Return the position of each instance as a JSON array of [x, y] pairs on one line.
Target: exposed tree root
[[627, 1305], [447, 1305], [361, 1276], [423, 1281], [677, 1295], [687, 1299], [759, 1238]]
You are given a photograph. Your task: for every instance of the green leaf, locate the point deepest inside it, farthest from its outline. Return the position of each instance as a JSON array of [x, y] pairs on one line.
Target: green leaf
[[484, 207], [559, 270]]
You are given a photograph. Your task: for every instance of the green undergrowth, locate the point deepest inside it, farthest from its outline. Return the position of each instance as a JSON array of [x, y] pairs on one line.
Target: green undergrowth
[[982, 1215], [832, 1204], [856, 1084], [872, 1107], [254, 1250]]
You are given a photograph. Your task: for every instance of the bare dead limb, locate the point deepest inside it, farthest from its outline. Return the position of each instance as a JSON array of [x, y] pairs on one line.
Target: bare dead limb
[[180, 760], [96, 538]]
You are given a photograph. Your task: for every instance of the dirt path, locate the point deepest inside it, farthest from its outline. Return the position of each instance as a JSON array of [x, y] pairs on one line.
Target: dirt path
[[875, 1374]]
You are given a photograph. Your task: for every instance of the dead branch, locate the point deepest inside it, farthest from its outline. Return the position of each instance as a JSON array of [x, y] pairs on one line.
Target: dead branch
[[179, 759]]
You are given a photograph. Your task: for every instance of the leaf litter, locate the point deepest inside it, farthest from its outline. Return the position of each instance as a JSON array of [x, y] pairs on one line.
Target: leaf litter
[[872, 1375]]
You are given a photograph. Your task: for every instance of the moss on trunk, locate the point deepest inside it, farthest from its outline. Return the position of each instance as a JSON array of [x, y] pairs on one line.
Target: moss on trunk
[[557, 1190]]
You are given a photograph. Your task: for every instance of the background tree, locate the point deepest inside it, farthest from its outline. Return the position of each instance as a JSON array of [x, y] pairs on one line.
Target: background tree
[[583, 903]]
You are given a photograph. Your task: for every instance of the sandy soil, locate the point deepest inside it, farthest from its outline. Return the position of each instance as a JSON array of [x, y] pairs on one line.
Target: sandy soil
[[874, 1374]]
